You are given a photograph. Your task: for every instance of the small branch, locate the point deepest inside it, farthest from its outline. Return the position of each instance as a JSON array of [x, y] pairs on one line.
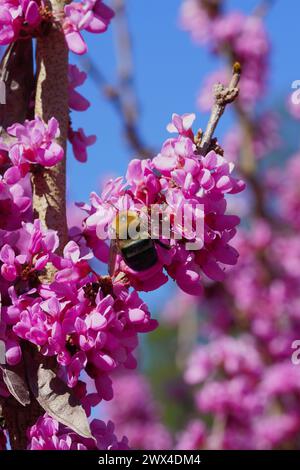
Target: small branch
[[223, 96], [114, 96], [123, 96]]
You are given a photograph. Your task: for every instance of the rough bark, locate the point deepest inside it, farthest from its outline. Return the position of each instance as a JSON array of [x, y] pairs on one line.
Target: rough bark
[[49, 185]]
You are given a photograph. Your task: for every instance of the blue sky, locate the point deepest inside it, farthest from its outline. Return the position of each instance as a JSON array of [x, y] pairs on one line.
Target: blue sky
[[169, 70]]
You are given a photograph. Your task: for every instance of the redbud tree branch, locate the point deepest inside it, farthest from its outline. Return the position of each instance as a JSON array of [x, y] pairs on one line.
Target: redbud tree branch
[[114, 96], [48, 187], [222, 96]]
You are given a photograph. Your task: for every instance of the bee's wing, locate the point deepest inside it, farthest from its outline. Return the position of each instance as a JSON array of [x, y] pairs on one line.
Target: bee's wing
[[113, 251]]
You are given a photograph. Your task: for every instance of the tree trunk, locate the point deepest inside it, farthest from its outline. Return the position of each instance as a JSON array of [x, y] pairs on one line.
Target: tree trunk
[[48, 185]]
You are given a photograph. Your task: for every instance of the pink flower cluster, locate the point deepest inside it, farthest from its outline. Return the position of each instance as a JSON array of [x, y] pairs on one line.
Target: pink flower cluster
[[15, 203], [178, 176], [192, 437], [247, 383], [26, 17], [48, 434], [90, 323], [34, 141], [89, 15], [85, 320], [238, 390], [18, 16], [242, 37], [31, 143], [136, 414]]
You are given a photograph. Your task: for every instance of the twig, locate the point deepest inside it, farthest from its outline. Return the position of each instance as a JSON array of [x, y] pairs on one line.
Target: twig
[[122, 96], [223, 96], [114, 96]]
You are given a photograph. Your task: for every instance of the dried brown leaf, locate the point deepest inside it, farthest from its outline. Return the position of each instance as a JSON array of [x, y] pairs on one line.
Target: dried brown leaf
[[15, 380], [53, 395]]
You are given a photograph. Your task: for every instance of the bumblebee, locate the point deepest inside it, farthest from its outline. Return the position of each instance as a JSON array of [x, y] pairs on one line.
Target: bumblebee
[[138, 252]]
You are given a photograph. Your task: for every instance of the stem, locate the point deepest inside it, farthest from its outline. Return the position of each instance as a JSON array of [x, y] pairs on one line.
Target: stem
[[223, 96], [49, 184]]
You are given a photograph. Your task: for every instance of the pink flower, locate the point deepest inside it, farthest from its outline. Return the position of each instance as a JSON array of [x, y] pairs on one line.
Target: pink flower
[[10, 22], [80, 142], [18, 15], [8, 269], [34, 252], [136, 414], [26, 16], [87, 322], [195, 19], [182, 124], [245, 36], [92, 15], [48, 434], [34, 143], [77, 78], [13, 351]]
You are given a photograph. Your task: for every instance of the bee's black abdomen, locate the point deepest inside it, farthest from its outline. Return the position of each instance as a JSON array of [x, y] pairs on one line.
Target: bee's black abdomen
[[140, 255]]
